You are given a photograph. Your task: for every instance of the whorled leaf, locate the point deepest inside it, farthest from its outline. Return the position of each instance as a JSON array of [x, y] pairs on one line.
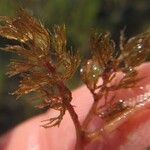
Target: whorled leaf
[[90, 73], [105, 63], [136, 49], [20, 50], [18, 66], [26, 29], [102, 48], [39, 70], [33, 82], [69, 61], [55, 121]]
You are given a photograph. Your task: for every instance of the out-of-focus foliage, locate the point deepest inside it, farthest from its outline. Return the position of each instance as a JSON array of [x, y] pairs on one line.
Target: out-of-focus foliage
[[80, 17]]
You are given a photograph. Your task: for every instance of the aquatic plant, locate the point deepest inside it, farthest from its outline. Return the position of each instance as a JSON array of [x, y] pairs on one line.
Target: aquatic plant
[[45, 64]]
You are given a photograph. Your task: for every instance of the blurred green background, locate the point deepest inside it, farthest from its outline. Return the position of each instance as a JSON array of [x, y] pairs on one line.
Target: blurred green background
[[80, 17]]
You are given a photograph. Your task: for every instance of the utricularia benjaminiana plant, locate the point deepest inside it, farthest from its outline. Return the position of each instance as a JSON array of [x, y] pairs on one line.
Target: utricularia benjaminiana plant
[[45, 64]]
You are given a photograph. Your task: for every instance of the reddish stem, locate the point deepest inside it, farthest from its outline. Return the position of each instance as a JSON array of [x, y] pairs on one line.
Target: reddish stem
[[79, 132], [64, 91]]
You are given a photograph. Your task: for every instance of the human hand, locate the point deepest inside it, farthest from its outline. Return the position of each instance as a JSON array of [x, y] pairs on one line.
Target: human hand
[[132, 134]]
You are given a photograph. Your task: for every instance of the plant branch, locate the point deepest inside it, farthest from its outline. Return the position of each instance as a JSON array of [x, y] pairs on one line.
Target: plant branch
[[66, 99]]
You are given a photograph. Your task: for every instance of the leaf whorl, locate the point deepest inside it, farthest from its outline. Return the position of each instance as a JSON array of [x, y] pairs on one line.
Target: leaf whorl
[[36, 65]]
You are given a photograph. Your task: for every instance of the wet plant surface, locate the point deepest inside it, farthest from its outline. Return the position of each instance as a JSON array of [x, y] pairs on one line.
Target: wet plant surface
[[45, 64]]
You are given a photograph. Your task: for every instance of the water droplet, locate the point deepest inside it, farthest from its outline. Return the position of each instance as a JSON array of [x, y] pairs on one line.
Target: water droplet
[[140, 40], [81, 70], [56, 36], [139, 46], [40, 56], [95, 67], [90, 72], [94, 75]]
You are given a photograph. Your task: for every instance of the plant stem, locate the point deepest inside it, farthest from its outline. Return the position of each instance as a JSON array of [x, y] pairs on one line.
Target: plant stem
[[66, 99], [92, 110], [79, 132]]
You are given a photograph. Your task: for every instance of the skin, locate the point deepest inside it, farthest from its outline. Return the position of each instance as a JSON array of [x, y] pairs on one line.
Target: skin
[[131, 134]]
